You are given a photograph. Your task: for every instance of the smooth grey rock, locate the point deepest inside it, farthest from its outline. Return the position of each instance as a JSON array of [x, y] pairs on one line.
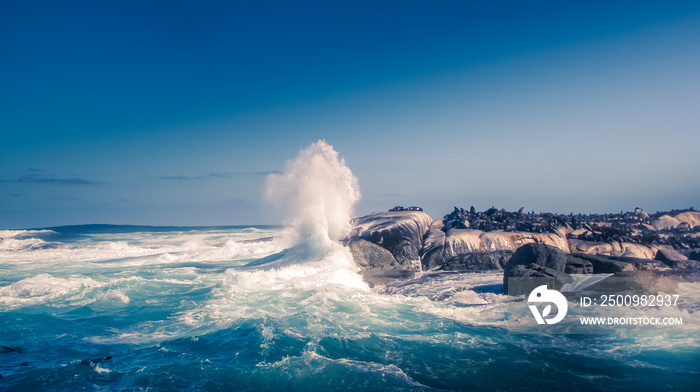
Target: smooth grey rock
[[674, 259], [400, 232], [542, 255], [664, 254], [379, 267], [535, 261], [370, 255], [682, 264]]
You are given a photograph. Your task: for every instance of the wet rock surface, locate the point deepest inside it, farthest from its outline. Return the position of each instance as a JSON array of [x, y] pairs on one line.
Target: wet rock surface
[[399, 232], [378, 265], [524, 245], [535, 261]]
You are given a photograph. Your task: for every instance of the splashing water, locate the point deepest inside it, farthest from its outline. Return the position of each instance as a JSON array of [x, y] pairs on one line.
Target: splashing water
[[317, 193]]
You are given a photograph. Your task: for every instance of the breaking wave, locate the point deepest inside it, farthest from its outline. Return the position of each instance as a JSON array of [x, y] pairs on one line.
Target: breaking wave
[[316, 194]]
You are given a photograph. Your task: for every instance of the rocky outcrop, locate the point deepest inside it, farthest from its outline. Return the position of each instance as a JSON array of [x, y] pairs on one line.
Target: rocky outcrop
[[394, 244], [399, 232], [378, 265], [543, 261], [455, 244], [631, 235], [637, 234]]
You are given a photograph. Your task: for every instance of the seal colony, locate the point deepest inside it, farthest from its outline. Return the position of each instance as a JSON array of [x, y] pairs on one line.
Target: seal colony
[[391, 247]]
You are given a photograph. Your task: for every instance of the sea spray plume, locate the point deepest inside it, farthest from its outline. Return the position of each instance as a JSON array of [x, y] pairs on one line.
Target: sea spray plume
[[316, 193]]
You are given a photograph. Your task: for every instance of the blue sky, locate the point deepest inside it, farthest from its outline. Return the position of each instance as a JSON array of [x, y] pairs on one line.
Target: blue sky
[[173, 113]]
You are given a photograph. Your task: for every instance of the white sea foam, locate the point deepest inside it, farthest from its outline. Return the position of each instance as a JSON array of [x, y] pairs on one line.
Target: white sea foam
[[44, 287], [22, 247], [26, 240]]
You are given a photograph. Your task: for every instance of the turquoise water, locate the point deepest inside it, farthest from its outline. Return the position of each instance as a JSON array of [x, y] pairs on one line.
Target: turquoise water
[[174, 309]]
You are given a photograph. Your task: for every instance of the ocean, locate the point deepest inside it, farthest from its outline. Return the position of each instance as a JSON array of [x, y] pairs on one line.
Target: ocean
[[128, 308], [284, 308]]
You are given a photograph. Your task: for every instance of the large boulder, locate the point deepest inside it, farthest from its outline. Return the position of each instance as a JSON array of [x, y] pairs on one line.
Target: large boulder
[[400, 232], [544, 262], [540, 254], [522, 279], [674, 259], [378, 265], [368, 255]]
